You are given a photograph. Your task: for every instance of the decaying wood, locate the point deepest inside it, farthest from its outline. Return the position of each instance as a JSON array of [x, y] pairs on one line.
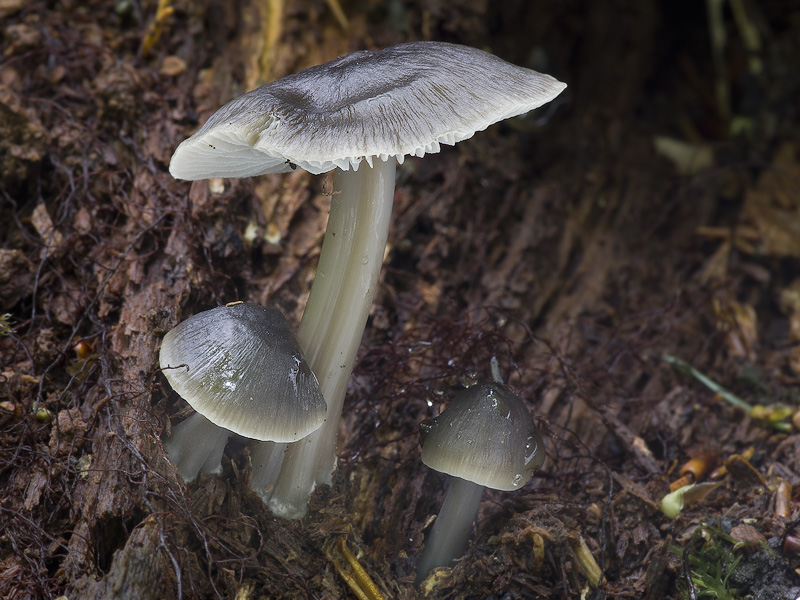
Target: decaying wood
[[562, 245]]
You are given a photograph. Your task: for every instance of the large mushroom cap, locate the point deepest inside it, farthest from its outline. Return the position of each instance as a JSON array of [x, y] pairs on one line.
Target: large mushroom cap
[[246, 372], [406, 99], [485, 435]]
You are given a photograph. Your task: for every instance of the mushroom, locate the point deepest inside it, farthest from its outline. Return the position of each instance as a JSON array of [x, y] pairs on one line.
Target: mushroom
[[484, 438], [240, 367], [360, 114]]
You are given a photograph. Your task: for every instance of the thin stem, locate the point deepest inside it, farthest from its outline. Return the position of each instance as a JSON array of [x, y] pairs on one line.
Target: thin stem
[[448, 537], [335, 317], [266, 458]]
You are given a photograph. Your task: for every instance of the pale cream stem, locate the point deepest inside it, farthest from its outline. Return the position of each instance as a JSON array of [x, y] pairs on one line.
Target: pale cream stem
[[333, 323]]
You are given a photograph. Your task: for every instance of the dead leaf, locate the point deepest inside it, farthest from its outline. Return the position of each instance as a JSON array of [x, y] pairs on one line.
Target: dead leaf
[[772, 209], [172, 65], [740, 324], [748, 534], [43, 224]]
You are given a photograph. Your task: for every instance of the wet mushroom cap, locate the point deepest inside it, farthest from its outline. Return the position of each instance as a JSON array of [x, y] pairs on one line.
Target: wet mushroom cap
[[246, 372], [485, 435], [402, 100]]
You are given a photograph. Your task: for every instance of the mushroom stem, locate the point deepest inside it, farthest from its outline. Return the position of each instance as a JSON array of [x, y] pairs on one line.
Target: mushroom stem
[[266, 458], [196, 445], [452, 527], [336, 314]]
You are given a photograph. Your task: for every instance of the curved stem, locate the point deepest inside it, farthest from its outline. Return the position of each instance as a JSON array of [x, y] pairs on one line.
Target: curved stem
[[196, 445], [450, 532], [335, 317]]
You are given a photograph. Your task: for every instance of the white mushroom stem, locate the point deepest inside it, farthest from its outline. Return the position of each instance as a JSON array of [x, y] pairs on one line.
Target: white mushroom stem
[[266, 458], [196, 445], [336, 314], [452, 527]]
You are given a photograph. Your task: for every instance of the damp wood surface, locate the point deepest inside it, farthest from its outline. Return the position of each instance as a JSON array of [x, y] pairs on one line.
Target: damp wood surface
[[652, 210]]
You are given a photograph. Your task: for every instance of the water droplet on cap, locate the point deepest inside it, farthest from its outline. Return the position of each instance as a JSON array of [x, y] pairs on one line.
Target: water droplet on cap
[[531, 447]]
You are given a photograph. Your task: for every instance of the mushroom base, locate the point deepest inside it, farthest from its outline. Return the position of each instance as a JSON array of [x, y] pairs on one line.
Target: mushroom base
[[196, 446], [452, 527]]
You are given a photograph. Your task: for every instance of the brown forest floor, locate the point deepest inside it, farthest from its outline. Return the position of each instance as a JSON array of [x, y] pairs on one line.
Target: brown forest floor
[[564, 244]]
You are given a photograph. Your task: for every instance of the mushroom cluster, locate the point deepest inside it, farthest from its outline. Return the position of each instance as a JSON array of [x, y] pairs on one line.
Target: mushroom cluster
[[359, 115]]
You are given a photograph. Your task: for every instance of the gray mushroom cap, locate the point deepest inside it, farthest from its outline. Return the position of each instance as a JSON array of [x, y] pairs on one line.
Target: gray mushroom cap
[[405, 99], [485, 435], [246, 372]]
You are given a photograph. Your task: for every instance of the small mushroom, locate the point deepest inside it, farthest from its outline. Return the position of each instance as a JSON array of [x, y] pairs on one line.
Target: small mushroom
[[241, 368], [360, 114], [484, 438]]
